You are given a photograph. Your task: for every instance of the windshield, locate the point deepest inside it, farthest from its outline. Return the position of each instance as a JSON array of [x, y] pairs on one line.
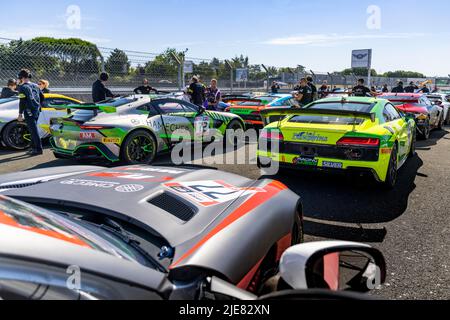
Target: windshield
[[50, 224], [346, 106], [325, 119]]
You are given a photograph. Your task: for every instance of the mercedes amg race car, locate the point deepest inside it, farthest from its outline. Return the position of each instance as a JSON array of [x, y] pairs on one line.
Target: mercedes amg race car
[[250, 109], [14, 134], [134, 129], [362, 134], [152, 233]]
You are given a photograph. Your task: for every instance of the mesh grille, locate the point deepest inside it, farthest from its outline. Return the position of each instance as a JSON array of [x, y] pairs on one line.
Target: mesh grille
[[18, 186], [174, 206]]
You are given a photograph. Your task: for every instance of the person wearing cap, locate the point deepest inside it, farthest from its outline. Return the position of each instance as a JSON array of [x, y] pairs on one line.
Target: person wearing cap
[[145, 88], [399, 88], [99, 90], [10, 90], [197, 92], [31, 100], [411, 88]]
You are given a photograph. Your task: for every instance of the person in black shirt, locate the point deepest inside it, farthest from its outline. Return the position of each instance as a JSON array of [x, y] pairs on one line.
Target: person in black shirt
[[323, 90], [411, 88], [145, 88], [361, 90], [275, 87], [10, 90], [304, 94], [313, 88], [399, 88], [425, 89], [385, 89], [197, 92], [99, 91]]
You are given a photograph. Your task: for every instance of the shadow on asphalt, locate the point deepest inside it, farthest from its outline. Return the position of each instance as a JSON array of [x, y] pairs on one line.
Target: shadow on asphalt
[[434, 138]]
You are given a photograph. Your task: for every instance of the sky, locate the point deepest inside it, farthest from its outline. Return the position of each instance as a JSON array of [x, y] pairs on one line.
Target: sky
[[318, 34]]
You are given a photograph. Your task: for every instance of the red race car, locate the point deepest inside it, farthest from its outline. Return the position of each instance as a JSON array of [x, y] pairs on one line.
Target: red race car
[[428, 115]]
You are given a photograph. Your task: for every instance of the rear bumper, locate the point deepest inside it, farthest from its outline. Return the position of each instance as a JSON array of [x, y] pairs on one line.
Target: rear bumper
[[89, 151]]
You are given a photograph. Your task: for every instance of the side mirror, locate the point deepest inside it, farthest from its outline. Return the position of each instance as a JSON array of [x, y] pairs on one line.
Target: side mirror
[[334, 265]]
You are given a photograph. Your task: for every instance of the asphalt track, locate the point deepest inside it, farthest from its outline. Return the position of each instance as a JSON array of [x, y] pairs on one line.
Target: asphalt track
[[410, 225]]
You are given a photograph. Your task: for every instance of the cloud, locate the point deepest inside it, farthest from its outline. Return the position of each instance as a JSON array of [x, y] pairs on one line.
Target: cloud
[[335, 39]]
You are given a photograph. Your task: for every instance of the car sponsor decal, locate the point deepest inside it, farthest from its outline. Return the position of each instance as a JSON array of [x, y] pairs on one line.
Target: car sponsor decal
[[305, 161], [386, 151], [126, 188], [271, 190], [211, 193], [112, 140], [87, 135], [332, 165], [310, 137], [129, 188], [201, 125]]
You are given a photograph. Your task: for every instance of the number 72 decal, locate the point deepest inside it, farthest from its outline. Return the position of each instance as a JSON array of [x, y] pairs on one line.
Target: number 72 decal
[[211, 193]]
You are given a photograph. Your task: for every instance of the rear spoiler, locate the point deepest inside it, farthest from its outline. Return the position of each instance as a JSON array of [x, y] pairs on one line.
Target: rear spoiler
[[244, 100], [85, 106], [280, 113]]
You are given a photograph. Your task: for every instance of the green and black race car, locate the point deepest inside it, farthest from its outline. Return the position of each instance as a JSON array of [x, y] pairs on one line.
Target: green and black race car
[[362, 134], [134, 129]]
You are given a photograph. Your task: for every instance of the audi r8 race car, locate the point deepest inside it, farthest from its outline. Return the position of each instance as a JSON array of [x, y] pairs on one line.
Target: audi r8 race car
[[14, 134], [134, 129], [362, 134], [428, 115], [250, 109], [152, 233]]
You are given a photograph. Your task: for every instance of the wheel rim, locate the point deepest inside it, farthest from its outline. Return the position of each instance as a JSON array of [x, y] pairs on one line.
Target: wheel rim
[[141, 149], [19, 137]]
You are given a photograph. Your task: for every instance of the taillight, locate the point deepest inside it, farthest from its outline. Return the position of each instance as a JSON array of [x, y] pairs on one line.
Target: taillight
[[272, 135], [92, 127], [353, 141]]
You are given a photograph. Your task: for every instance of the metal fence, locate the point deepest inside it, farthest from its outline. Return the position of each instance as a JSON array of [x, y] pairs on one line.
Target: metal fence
[[74, 67]]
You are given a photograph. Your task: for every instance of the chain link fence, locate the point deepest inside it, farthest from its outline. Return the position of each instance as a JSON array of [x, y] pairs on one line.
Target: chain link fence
[[73, 67]]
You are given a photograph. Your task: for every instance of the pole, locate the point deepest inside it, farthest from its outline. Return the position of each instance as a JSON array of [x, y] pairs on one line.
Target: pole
[[268, 77], [230, 66]]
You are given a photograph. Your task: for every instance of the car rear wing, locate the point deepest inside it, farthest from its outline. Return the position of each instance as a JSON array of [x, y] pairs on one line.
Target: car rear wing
[[85, 106], [277, 114]]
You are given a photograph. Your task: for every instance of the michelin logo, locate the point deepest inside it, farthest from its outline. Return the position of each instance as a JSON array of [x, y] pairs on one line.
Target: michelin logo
[[310, 137]]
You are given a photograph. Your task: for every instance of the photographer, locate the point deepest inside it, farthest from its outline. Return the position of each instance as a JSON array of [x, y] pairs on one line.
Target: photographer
[[213, 96]]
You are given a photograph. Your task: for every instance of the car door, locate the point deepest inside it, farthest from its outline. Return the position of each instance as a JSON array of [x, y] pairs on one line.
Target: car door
[[401, 128]]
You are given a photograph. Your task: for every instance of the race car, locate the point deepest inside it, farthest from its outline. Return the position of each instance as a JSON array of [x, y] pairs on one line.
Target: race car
[[134, 129], [442, 100], [250, 109], [14, 134], [428, 115], [353, 134], [153, 233]]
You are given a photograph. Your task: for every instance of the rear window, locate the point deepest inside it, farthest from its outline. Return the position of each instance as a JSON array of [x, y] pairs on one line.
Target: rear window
[[347, 106], [324, 119]]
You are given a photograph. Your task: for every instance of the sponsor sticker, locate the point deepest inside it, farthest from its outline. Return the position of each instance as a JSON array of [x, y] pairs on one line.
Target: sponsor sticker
[[201, 125], [332, 165], [129, 188], [112, 140], [386, 151], [310, 137], [87, 135], [211, 193], [90, 183], [306, 161]]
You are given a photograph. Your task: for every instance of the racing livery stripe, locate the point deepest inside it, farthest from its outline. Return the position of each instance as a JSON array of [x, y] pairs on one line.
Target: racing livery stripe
[[255, 201]]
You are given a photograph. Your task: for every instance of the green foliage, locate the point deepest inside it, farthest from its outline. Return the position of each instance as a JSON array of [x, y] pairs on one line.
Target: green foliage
[[118, 63], [403, 74]]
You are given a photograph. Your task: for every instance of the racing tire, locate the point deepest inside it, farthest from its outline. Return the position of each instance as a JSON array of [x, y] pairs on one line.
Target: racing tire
[[139, 147], [15, 135], [234, 140], [425, 135], [412, 150], [298, 233], [392, 174]]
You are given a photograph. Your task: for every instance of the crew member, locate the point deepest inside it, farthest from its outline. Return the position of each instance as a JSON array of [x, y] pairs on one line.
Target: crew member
[[313, 88], [323, 90], [361, 90], [275, 88], [31, 99], [10, 90], [385, 89], [145, 88], [213, 96], [304, 94], [425, 89], [399, 88], [197, 92], [99, 90], [411, 88], [44, 86]]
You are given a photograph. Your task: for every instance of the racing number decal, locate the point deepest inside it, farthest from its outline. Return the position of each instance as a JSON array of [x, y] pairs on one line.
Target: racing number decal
[[201, 125], [211, 193]]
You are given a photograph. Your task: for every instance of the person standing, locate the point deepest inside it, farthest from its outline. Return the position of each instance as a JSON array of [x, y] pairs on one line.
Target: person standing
[[213, 96], [399, 88], [44, 86], [10, 90], [275, 88], [385, 89], [31, 99], [145, 88], [361, 90], [197, 92], [99, 90], [411, 88], [424, 89], [304, 94], [323, 90], [313, 88]]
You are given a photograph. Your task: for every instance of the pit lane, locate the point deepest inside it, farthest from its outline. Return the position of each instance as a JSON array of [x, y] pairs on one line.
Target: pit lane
[[410, 225]]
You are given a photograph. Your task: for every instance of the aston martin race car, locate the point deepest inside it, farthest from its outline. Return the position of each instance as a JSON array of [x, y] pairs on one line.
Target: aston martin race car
[[152, 233], [353, 134], [250, 109], [134, 129], [14, 134]]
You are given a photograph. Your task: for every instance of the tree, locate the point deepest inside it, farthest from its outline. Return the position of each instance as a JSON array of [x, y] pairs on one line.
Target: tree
[[118, 63], [403, 74], [164, 65], [359, 72]]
